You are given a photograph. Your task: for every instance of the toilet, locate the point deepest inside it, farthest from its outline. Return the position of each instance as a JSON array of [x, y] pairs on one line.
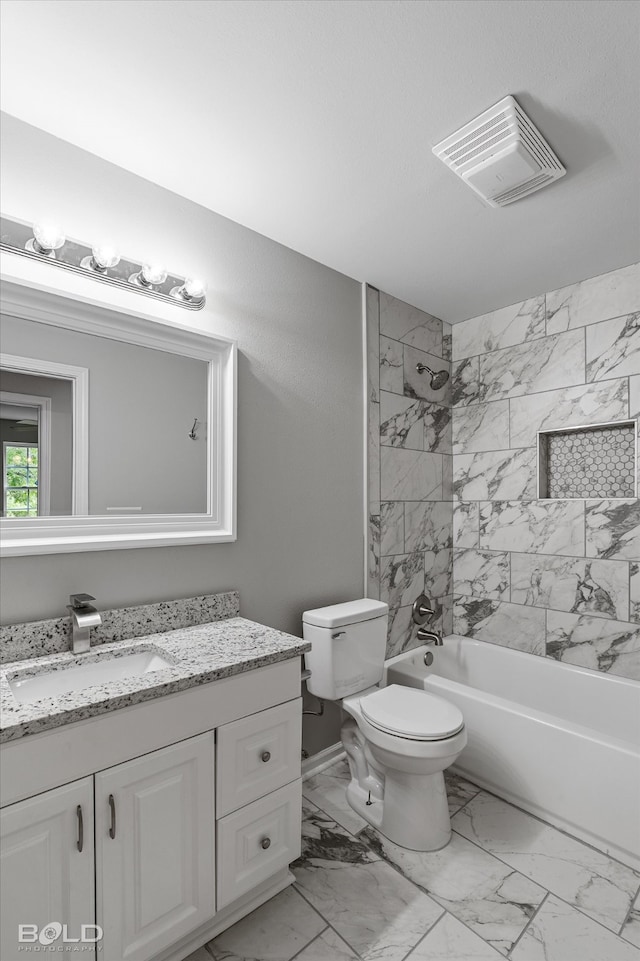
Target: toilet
[[398, 740]]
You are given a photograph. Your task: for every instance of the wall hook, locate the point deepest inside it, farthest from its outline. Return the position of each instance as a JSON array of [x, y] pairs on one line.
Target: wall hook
[[192, 432]]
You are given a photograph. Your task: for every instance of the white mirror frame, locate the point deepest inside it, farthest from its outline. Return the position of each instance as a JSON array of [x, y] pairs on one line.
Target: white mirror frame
[[56, 535]]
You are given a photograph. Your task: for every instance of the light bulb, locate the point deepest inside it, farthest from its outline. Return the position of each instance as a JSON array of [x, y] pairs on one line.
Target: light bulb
[[48, 236], [105, 256], [153, 274], [194, 288]]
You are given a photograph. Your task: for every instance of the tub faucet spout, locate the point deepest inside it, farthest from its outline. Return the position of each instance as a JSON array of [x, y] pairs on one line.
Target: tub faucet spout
[[429, 637], [83, 617]]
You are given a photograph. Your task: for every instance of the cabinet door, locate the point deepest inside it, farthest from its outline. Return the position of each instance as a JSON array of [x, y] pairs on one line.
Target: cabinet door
[[155, 849], [47, 873]]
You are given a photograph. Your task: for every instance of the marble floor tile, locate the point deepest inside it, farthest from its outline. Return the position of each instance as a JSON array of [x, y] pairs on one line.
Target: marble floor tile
[[631, 927], [276, 931], [328, 790], [379, 913], [596, 884], [450, 940], [487, 895], [560, 933], [327, 947], [459, 791]]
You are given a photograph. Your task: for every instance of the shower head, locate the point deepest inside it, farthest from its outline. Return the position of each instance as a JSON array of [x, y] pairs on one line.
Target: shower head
[[438, 377]]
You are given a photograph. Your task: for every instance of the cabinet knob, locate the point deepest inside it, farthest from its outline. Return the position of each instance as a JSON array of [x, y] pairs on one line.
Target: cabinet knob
[[265, 843], [266, 756]]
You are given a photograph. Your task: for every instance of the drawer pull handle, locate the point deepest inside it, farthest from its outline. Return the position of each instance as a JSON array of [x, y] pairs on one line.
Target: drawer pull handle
[[265, 843], [112, 808], [80, 841], [266, 756]]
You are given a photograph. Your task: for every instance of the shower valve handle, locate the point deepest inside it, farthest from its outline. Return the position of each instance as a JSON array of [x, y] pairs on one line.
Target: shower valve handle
[[422, 611]]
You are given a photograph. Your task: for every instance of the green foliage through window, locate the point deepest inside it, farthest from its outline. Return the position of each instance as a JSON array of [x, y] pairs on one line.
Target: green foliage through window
[[20, 480]]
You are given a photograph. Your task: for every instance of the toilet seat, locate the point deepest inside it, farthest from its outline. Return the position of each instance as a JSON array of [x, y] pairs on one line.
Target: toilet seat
[[411, 713]]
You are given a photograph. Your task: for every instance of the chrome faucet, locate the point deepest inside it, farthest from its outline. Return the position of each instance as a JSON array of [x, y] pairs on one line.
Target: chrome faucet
[[429, 637], [83, 617]]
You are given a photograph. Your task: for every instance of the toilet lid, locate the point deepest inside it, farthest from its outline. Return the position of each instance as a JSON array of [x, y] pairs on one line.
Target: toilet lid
[[411, 713]]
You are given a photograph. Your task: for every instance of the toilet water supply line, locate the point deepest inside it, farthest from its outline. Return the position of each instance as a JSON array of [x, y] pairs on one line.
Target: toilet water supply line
[[306, 674]]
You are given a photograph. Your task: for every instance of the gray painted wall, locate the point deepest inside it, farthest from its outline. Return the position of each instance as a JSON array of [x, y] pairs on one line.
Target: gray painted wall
[[298, 327]]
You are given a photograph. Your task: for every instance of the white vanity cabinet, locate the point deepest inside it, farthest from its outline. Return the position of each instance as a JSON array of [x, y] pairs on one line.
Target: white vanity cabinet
[[197, 815], [47, 870], [155, 866]]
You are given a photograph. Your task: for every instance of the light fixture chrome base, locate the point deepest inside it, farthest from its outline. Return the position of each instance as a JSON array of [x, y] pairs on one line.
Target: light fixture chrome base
[[182, 296], [34, 248], [77, 256], [89, 263]]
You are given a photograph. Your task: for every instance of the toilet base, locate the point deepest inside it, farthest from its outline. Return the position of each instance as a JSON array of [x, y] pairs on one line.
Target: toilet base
[[409, 809], [413, 813]]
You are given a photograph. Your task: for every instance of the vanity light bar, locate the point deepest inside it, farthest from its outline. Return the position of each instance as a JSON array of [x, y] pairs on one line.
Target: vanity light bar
[[45, 241]]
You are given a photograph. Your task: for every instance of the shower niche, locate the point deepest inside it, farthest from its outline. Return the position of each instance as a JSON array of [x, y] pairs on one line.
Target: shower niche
[[595, 461]]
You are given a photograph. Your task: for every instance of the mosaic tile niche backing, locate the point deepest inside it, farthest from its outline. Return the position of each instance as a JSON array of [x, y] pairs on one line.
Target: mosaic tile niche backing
[[590, 462]]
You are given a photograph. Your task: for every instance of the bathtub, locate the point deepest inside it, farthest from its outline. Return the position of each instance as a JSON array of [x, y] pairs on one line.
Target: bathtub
[[559, 741]]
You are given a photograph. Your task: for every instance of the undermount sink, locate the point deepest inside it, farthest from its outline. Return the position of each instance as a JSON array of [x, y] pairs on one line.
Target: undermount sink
[[27, 688]]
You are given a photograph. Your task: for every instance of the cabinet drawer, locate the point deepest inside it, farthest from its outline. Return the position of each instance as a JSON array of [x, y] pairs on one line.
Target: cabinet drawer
[[258, 754], [257, 841]]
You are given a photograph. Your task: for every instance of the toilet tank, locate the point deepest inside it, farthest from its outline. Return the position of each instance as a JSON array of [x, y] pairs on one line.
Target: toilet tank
[[348, 645]]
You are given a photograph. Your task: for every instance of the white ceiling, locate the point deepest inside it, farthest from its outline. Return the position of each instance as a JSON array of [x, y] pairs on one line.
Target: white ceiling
[[312, 122]]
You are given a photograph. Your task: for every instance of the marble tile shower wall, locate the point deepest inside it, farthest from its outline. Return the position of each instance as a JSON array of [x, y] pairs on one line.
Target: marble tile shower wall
[[559, 578], [410, 465]]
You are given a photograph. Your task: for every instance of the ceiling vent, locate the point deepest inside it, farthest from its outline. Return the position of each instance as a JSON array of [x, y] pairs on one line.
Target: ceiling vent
[[501, 155]]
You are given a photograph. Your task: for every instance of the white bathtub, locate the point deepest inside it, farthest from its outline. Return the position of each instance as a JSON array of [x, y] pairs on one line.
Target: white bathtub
[[559, 741]]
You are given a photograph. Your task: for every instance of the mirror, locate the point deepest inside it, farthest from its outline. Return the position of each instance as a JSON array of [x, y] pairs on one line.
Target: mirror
[[112, 417], [141, 406]]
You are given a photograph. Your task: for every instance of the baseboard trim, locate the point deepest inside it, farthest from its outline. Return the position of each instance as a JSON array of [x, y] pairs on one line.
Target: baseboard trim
[[318, 762], [228, 916]]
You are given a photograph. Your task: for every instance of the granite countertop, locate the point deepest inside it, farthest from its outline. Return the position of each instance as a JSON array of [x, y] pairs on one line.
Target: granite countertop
[[198, 655]]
